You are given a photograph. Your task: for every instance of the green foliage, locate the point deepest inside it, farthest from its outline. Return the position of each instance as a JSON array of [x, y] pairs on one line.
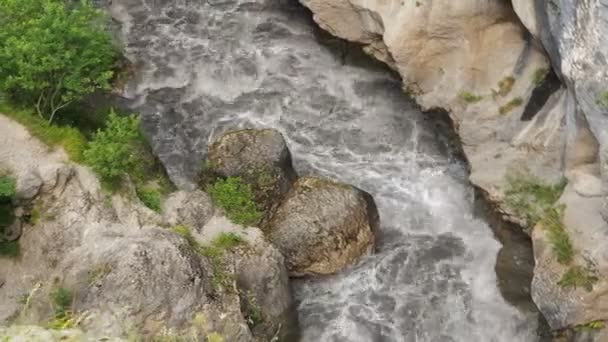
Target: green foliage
[[236, 198], [8, 187], [62, 300], [505, 85], [539, 76], [69, 138], [469, 97], [578, 277], [115, 151], [150, 197], [516, 102], [602, 99], [228, 241], [557, 236], [529, 198], [53, 53], [252, 311]]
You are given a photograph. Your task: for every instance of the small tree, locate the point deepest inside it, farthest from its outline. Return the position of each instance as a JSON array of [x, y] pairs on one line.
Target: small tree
[[53, 52]]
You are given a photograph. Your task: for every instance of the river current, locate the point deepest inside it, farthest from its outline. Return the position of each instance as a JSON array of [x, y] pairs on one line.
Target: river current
[[205, 67]]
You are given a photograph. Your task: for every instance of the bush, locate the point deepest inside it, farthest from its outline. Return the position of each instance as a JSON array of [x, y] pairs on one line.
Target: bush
[[116, 150], [8, 187], [236, 198], [53, 53]]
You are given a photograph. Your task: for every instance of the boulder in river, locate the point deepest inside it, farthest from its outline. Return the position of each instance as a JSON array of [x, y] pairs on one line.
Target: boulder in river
[[260, 157], [323, 226]]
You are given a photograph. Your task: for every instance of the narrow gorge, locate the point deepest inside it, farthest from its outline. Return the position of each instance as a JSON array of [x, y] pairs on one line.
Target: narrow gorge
[[455, 149]]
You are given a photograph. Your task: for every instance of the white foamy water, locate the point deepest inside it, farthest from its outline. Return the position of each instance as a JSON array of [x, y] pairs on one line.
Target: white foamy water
[[205, 67]]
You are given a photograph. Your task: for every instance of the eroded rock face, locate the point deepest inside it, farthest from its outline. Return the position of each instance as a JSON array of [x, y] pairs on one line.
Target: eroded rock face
[[260, 157], [127, 273], [322, 226]]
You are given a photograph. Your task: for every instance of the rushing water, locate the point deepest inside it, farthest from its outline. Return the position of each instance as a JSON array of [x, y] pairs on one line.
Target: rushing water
[[204, 67]]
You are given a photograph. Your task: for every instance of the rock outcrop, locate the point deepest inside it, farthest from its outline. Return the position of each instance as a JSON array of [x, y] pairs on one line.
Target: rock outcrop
[[322, 226], [260, 157], [476, 60], [125, 270]]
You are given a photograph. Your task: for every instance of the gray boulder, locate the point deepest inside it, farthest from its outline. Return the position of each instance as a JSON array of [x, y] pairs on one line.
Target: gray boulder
[[323, 226], [190, 208], [260, 157]]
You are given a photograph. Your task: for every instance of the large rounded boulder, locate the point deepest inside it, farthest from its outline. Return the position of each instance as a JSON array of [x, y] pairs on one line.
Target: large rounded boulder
[[323, 226], [260, 157]]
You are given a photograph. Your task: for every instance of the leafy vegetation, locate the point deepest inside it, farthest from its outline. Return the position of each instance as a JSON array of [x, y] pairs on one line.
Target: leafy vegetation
[[236, 198], [214, 252], [61, 299], [251, 309], [578, 277], [557, 236], [505, 85], [529, 198], [516, 102], [593, 325], [115, 151], [8, 187], [150, 197], [53, 53], [469, 97], [539, 76], [69, 138]]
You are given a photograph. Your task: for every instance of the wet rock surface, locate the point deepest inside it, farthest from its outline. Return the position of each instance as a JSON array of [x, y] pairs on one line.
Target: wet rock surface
[[322, 226]]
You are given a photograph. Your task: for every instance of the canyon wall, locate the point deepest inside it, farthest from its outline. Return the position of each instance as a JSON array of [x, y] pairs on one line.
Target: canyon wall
[[525, 86]]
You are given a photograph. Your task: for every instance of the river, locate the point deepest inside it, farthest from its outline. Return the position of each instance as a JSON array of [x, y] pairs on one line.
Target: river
[[204, 67]]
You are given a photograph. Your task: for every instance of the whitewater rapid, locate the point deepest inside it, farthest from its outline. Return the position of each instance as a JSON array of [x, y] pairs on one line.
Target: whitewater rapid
[[204, 67]]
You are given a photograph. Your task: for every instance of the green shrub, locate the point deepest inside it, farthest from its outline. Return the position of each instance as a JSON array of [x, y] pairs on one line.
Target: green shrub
[[236, 198], [516, 102], [557, 235], [53, 53], [69, 138], [116, 150], [529, 198], [8, 187], [150, 197], [576, 277], [469, 97]]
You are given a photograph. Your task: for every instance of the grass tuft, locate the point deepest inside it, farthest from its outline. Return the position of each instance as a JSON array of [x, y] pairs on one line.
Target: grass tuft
[[578, 277], [62, 301], [516, 102], [150, 197], [602, 99], [236, 198], [469, 97], [528, 197], [557, 236], [506, 85]]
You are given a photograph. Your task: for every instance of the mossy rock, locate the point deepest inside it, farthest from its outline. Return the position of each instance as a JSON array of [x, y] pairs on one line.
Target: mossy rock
[[260, 157]]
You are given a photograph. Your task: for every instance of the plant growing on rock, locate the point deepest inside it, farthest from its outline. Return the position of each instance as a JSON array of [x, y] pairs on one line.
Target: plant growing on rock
[[578, 277], [505, 85], [53, 53], [602, 99], [529, 198], [236, 198], [557, 236], [8, 186], [469, 97], [61, 299], [516, 102], [539, 76]]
